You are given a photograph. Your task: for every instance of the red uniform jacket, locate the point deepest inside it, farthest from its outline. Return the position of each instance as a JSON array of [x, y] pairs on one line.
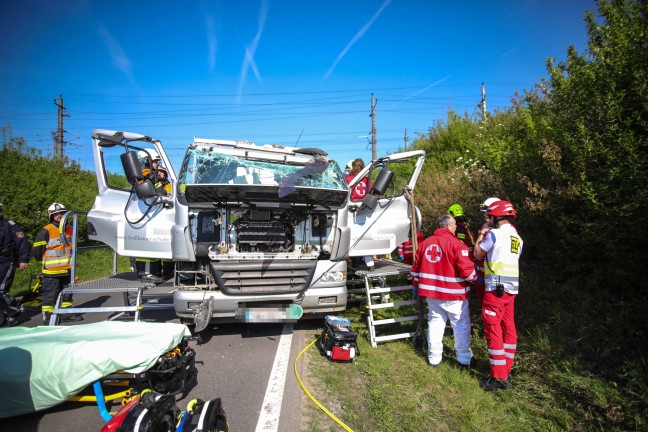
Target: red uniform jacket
[[359, 190], [406, 250], [443, 268]]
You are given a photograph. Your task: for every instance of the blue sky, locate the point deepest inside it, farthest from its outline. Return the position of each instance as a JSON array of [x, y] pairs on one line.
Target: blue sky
[[287, 72]]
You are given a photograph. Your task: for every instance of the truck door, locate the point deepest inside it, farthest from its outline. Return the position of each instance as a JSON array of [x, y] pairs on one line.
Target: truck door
[[129, 225], [380, 230]]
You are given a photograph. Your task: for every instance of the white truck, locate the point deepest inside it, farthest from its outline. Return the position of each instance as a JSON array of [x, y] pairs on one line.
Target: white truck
[[257, 233]]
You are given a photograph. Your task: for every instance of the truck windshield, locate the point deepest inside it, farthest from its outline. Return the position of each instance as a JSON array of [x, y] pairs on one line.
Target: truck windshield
[[205, 167]]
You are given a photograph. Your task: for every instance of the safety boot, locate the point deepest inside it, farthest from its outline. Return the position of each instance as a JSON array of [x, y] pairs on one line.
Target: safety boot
[[46, 318], [493, 384]]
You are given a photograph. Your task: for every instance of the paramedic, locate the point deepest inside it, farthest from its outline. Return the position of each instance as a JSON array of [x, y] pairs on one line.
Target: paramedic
[[14, 252], [442, 272], [56, 258], [501, 246], [406, 249], [358, 193], [479, 262]]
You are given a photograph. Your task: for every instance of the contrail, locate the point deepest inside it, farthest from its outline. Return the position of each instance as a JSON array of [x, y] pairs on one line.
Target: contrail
[[119, 57], [212, 43], [356, 38], [248, 61]]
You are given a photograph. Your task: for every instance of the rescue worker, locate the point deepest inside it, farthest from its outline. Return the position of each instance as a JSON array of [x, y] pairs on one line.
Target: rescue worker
[[161, 182], [479, 262], [501, 246], [358, 193], [154, 270], [464, 232], [406, 249], [442, 273], [56, 258], [14, 253]]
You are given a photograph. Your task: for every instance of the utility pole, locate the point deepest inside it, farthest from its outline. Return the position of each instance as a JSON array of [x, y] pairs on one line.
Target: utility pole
[[58, 147], [482, 104], [374, 147], [406, 140]]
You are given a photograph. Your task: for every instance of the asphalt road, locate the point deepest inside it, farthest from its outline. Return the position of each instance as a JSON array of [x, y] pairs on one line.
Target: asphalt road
[[234, 363]]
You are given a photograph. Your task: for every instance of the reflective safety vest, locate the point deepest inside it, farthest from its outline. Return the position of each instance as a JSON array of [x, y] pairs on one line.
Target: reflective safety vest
[[57, 257], [502, 260]]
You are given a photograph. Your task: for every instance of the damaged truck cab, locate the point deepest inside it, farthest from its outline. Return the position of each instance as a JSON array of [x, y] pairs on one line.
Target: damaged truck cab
[[257, 233]]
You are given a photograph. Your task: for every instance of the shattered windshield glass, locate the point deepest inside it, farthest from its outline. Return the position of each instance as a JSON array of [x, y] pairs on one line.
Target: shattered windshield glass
[[214, 168]]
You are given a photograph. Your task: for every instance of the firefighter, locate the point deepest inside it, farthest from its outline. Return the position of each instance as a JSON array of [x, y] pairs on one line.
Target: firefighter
[[442, 272], [56, 258], [479, 262], [464, 232], [161, 181], [501, 247], [154, 270], [14, 253]]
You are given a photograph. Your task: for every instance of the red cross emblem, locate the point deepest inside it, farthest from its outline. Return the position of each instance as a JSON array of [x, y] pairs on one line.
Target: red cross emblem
[[433, 253], [361, 189]]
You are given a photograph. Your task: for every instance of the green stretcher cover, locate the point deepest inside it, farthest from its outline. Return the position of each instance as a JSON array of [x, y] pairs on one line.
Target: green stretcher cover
[[43, 366]]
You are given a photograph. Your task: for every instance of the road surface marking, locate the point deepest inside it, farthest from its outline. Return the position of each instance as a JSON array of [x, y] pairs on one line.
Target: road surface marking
[[271, 408]]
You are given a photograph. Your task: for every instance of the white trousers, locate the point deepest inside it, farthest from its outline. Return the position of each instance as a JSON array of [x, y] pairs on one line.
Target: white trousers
[[439, 311]]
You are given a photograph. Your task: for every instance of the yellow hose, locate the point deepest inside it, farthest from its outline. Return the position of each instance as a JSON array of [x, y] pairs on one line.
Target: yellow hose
[[319, 405]]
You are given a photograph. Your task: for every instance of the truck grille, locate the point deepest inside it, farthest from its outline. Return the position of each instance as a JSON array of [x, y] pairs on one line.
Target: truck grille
[[263, 277]]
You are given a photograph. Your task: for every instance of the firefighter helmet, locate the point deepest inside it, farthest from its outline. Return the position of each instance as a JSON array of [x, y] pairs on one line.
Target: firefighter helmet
[[349, 165], [501, 208], [145, 153], [487, 203], [55, 208], [455, 210]]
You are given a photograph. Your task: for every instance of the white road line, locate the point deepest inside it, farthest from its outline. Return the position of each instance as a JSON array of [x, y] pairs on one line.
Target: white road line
[[271, 408]]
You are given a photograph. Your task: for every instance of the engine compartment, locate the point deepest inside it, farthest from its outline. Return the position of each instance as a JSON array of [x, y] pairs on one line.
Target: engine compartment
[[239, 232]]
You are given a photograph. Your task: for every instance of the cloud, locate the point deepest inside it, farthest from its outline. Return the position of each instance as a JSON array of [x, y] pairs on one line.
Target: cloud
[[119, 57], [250, 50], [212, 43], [356, 38]]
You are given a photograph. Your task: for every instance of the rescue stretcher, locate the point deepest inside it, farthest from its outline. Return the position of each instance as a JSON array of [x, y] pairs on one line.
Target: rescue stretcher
[[51, 365]]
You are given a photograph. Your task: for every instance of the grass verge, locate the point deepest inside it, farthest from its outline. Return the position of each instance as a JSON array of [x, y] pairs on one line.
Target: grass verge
[[391, 388]]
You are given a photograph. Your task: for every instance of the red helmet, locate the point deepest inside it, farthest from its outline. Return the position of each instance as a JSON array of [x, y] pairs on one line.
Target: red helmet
[[501, 208]]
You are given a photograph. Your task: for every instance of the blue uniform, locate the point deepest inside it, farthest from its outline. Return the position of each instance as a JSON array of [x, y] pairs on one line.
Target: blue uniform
[[14, 249]]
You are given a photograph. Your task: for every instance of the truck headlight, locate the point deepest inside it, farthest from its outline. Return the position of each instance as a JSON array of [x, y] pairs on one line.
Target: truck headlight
[[334, 276]]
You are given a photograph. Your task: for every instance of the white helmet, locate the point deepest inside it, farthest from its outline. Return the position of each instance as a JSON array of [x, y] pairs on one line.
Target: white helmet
[[349, 165], [152, 152], [486, 204], [55, 209]]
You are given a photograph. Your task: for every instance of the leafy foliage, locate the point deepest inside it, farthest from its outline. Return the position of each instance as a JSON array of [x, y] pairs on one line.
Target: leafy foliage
[[571, 154], [31, 182]]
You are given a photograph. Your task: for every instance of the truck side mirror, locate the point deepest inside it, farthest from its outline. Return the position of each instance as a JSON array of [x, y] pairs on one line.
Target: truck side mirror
[[382, 182], [131, 166], [145, 189], [379, 187]]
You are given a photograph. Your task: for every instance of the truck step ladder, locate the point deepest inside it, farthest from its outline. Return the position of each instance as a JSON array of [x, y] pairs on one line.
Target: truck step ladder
[[126, 283], [383, 269]]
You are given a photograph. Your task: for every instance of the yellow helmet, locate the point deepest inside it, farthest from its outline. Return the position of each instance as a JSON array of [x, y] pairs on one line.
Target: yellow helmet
[[455, 210]]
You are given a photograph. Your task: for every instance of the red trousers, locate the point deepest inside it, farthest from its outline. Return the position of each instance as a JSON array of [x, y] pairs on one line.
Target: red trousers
[[500, 332]]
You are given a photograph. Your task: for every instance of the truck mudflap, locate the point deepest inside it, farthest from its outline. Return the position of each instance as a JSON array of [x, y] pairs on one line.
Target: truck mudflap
[[203, 315]]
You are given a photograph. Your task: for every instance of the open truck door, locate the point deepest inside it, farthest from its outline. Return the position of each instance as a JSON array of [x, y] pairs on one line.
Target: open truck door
[[129, 215], [376, 223]]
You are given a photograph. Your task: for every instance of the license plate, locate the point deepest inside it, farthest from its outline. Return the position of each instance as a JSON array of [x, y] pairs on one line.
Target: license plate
[[279, 313]]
